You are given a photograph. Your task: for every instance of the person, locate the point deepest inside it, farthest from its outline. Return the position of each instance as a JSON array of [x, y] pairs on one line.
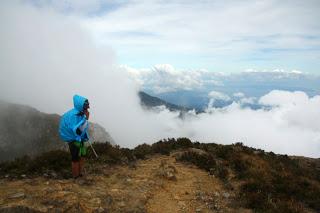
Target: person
[[73, 129]]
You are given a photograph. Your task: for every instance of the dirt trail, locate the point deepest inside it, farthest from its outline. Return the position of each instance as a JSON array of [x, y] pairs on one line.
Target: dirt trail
[[122, 189], [188, 193]]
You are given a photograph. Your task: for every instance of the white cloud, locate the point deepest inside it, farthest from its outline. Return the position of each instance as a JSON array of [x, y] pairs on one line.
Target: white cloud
[[250, 100], [238, 95], [45, 62], [272, 130], [284, 98], [218, 96], [45, 58], [79, 7], [228, 31], [165, 78]]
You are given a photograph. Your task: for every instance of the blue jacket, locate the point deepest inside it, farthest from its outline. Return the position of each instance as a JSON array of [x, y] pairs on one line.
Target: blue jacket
[[72, 120]]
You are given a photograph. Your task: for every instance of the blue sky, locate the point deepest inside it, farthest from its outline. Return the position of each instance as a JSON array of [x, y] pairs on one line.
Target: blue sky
[[224, 36]]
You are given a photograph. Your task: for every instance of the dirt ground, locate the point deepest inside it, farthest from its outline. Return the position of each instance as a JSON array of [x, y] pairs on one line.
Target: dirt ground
[[157, 184]]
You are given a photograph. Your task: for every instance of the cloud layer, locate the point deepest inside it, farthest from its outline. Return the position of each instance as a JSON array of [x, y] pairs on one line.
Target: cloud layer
[[44, 62], [222, 36], [165, 78]]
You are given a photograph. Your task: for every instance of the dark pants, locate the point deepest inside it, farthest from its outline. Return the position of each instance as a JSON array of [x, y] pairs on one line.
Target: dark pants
[[74, 151]]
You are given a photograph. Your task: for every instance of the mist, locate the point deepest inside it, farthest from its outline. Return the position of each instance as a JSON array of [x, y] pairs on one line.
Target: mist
[[46, 57]]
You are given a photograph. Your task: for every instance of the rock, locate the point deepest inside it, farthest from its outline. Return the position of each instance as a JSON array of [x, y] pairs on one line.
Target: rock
[[216, 206], [216, 194], [48, 190], [181, 203], [171, 176], [176, 197], [80, 181], [122, 204], [166, 171], [198, 209], [6, 176], [128, 180], [226, 195], [212, 171], [100, 210], [53, 174], [132, 165], [23, 176], [108, 200], [17, 195], [94, 202], [199, 195]]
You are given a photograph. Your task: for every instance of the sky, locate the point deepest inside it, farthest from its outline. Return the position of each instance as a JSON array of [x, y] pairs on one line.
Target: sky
[[107, 52], [221, 36]]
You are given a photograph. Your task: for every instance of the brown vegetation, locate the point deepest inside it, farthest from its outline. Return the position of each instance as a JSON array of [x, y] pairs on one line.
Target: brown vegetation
[[249, 178]]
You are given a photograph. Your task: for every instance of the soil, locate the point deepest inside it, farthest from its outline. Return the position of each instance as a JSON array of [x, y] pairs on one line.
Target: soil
[[158, 184]]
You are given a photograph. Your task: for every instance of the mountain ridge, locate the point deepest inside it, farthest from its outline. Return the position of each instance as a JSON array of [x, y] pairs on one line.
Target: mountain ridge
[[152, 101]]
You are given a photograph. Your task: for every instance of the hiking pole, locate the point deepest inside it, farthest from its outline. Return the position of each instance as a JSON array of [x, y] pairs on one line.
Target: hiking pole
[[94, 151]]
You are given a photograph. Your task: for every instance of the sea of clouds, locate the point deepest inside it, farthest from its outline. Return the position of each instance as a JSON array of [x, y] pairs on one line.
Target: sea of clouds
[[47, 57]]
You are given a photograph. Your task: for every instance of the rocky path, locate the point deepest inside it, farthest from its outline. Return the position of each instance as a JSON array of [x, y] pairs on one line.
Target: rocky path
[[192, 190], [158, 184]]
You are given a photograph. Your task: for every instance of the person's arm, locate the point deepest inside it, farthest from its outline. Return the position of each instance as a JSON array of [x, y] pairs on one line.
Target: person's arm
[[87, 113], [85, 136], [77, 131]]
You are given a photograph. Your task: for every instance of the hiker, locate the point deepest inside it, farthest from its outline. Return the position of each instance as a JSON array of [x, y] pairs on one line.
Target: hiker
[[73, 129]]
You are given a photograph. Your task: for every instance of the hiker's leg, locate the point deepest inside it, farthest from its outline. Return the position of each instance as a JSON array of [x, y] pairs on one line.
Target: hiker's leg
[[75, 169], [81, 165], [75, 165]]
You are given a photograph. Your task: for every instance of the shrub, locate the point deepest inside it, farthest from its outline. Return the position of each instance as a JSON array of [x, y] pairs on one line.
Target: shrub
[[107, 154], [54, 161], [183, 143], [162, 147], [240, 166], [224, 151], [142, 150], [203, 161], [222, 171]]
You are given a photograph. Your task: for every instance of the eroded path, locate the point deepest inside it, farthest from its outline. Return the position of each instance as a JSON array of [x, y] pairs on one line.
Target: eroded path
[[158, 184]]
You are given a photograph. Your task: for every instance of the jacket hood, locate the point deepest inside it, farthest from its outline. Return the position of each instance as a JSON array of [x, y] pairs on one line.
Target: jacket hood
[[78, 102]]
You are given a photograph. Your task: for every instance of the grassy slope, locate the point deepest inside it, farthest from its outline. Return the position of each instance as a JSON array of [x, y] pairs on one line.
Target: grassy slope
[[263, 182]]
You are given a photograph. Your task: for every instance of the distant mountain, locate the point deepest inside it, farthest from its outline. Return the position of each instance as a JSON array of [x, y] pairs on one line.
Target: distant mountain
[[27, 131], [151, 101]]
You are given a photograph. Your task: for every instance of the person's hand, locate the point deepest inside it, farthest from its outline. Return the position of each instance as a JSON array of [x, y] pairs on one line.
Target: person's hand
[[87, 113]]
